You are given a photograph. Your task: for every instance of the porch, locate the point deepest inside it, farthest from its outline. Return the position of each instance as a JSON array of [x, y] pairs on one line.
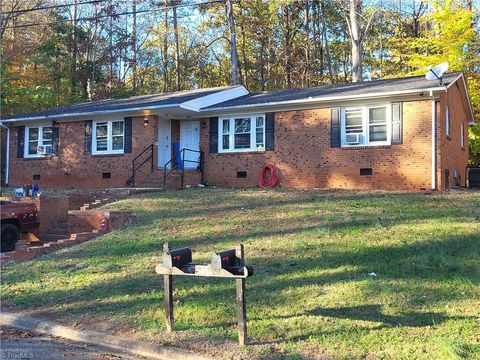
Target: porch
[[174, 160]]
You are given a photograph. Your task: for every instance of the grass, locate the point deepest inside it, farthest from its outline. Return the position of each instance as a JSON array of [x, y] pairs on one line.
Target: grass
[[311, 295]]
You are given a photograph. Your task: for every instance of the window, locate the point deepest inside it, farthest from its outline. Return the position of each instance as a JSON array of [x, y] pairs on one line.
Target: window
[[462, 136], [377, 122], [108, 137], [38, 141], [366, 125], [447, 121], [243, 133], [260, 132]]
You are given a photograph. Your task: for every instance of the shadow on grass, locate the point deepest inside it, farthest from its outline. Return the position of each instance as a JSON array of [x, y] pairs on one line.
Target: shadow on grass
[[438, 256], [373, 312]]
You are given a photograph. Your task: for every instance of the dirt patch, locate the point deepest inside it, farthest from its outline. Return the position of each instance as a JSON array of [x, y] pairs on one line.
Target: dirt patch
[[7, 333]]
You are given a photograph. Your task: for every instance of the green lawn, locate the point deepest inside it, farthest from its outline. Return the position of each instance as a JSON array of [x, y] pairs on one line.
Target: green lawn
[[311, 295]]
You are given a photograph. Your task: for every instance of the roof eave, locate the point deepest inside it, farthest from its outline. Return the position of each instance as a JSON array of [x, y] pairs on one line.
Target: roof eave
[[469, 105], [190, 106], [311, 101], [88, 113]]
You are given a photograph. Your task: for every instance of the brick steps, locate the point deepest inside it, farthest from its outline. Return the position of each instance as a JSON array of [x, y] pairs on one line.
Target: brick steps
[[95, 204], [67, 231], [52, 237], [174, 180], [59, 231], [26, 252]]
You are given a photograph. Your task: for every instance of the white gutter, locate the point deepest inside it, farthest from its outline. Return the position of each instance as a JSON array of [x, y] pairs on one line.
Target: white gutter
[[434, 142], [7, 155], [325, 99]]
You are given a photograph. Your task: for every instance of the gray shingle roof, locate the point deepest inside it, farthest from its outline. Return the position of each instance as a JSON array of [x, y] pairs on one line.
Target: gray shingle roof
[[154, 100], [344, 90], [177, 98]]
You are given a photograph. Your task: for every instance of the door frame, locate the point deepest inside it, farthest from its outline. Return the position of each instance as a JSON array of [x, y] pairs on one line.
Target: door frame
[[164, 146], [182, 137]]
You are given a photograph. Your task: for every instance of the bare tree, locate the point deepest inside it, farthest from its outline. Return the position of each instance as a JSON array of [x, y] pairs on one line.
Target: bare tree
[[73, 69], [353, 13], [233, 42], [177, 46], [11, 10], [165, 50], [134, 45]]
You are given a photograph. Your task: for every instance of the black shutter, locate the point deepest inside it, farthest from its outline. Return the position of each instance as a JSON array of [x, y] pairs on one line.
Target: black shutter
[[20, 141], [270, 131], [55, 135], [397, 126], [127, 148], [213, 135], [335, 140], [87, 139]]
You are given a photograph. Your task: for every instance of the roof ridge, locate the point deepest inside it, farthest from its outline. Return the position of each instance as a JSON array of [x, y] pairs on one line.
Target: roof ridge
[[351, 84]]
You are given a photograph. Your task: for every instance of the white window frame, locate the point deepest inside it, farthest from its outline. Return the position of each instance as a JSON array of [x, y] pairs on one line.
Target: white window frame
[[462, 135], [447, 121], [365, 136], [253, 134], [39, 141], [109, 137]]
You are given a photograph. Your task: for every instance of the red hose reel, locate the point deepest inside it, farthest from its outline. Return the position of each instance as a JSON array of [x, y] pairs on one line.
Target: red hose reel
[[269, 176]]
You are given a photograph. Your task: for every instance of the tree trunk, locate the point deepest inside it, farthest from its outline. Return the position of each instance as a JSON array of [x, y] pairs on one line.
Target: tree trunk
[[287, 46], [306, 69], [244, 54], [177, 49], [333, 77], [165, 51], [73, 68], [134, 47], [233, 42], [110, 40], [262, 63], [356, 40]]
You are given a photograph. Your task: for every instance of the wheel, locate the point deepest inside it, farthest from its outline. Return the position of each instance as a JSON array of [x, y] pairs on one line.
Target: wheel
[[10, 236]]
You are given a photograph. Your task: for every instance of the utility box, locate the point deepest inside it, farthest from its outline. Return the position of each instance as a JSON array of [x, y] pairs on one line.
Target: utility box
[[474, 178]]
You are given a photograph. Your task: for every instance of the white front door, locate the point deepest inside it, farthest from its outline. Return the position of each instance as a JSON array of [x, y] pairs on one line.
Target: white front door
[[164, 142], [190, 139]]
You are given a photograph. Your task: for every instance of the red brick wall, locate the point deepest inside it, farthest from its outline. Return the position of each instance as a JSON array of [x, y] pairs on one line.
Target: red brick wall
[[450, 154], [305, 158], [88, 220], [53, 210], [85, 170], [302, 153]]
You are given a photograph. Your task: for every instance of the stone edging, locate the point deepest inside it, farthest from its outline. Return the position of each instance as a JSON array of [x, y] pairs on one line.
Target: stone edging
[[134, 347]]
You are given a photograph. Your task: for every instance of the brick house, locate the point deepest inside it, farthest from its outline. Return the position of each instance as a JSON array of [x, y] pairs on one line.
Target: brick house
[[395, 134]]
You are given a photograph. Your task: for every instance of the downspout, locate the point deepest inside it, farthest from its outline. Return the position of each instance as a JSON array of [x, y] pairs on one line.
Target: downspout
[[7, 155], [434, 142]]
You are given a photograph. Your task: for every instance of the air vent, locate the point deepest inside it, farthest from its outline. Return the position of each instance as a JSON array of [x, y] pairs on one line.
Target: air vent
[[36, 176], [241, 174], [366, 171], [106, 175]]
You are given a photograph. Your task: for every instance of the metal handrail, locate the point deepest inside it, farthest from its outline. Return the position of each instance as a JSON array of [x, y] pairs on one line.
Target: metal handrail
[[166, 173], [136, 168]]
